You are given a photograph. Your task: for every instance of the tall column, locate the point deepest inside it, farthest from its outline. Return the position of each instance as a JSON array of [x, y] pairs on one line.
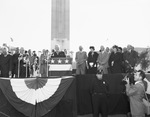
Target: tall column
[[60, 24]]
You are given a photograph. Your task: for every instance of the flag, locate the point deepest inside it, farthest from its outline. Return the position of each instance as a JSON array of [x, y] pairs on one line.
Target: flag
[[35, 97], [60, 67]]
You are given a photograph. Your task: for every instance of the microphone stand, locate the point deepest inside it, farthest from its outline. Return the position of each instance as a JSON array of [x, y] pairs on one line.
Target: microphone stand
[[47, 64], [33, 67], [19, 59], [39, 64], [26, 69], [47, 67], [27, 62], [18, 68]]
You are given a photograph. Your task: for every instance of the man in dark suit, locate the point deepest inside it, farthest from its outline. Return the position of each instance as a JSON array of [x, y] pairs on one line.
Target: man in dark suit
[[5, 63], [24, 65], [91, 61], [0, 59], [121, 56], [15, 63], [99, 91], [130, 57]]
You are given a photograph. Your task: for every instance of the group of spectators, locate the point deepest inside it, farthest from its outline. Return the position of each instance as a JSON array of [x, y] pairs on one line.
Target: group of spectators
[[21, 63], [106, 60], [17, 63], [111, 61]]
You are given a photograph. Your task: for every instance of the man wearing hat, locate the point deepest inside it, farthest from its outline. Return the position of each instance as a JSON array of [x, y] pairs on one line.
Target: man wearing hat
[[91, 61], [99, 92]]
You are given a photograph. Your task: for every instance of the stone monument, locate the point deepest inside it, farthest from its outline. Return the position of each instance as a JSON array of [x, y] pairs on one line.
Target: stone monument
[[60, 21]]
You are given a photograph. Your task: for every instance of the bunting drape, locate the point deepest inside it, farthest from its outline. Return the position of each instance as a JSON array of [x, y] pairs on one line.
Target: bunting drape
[[34, 97]]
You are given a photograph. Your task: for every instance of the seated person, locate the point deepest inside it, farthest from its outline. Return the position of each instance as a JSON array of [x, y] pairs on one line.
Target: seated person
[[57, 53]]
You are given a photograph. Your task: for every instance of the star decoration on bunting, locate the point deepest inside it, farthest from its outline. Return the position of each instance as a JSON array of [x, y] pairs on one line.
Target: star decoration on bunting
[[59, 61], [66, 61], [52, 61]]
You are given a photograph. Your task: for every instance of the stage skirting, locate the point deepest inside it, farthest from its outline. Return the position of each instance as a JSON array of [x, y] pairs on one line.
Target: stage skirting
[[58, 97], [38, 97]]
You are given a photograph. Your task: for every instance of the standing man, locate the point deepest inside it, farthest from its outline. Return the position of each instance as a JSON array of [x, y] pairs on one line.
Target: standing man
[[130, 57], [81, 57], [32, 58], [43, 64], [24, 64], [99, 92], [102, 61], [120, 52], [21, 65], [15, 63], [5, 63], [92, 61]]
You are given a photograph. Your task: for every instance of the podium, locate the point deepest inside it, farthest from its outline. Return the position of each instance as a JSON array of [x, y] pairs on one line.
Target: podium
[[60, 66]]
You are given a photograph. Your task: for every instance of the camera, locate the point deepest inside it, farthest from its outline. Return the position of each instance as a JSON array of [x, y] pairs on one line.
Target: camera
[[130, 76]]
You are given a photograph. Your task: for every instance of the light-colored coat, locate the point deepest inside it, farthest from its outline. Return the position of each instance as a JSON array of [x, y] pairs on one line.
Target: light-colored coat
[[103, 61], [43, 65], [136, 94], [81, 58]]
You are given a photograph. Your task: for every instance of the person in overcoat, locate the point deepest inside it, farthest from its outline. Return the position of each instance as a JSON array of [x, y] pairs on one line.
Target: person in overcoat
[[5, 63], [92, 61], [43, 64], [81, 58], [130, 58], [15, 61], [100, 95], [102, 60], [115, 61], [136, 94]]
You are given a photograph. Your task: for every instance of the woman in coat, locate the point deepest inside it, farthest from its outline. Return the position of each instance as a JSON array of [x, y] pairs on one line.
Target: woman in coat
[[115, 61]]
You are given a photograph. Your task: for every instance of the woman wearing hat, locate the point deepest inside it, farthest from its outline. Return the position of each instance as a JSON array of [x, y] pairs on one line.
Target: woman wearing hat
[[91, 61], [115, 61]]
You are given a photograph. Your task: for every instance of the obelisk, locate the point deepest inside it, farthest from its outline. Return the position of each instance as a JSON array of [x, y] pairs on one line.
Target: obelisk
[[60, 21]]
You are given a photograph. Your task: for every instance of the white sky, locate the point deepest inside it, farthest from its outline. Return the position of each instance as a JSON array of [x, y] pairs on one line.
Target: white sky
[[92, 22]]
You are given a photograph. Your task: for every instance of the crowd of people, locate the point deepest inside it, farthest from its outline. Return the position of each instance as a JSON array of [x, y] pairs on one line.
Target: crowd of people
[[112, 61], [21, 63], [106, 60]]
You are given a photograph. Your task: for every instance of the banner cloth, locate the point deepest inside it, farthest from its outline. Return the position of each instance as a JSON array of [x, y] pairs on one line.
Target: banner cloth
[[34, 97]]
